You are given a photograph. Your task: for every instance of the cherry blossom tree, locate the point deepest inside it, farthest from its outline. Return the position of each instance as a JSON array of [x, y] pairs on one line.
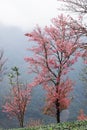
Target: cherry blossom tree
[[81, 115], [79, 8], [18, 99], [55, 50]]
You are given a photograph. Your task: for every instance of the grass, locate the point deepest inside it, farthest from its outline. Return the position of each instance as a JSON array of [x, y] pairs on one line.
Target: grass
[[77, 125]]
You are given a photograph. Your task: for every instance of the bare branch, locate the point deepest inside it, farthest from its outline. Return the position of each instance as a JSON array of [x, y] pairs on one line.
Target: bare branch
[[2, 64]]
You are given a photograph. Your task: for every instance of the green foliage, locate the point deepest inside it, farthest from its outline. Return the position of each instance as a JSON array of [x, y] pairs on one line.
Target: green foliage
[[78, 125], [14, 74], [16, 70]]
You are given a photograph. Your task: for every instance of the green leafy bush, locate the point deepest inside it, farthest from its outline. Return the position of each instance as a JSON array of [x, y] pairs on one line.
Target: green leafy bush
[[77, 125]]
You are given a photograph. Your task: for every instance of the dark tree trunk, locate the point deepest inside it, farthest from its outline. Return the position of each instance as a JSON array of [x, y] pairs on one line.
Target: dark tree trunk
[[57, 104], [57, 111], [21, 122], [58, 116]]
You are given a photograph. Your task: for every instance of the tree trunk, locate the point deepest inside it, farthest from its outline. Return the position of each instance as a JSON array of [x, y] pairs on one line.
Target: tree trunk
[[57, 103], [21, 122], [58, 116], [57, 111]]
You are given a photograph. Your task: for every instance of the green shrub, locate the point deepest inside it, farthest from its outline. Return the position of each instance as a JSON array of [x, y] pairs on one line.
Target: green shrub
[[77, 125]]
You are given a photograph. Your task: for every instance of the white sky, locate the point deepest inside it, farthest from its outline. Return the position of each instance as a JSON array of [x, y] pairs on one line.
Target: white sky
[[27, 13]]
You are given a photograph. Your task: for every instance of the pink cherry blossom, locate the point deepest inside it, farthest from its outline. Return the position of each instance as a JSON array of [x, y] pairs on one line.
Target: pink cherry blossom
[[55, 50]]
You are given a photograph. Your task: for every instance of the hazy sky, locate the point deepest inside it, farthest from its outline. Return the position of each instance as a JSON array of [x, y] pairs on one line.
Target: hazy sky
[[27, 13]]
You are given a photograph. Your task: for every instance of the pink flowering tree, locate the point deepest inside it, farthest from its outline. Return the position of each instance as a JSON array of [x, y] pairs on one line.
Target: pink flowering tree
[[18, 99], [79, 8], [81, 115], [55, 50]]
